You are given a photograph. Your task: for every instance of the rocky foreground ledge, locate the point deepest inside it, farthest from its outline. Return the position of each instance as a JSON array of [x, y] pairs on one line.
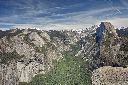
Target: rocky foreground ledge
[[108, 75]]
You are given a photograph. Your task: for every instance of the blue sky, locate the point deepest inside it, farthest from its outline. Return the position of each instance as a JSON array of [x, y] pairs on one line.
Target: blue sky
[[74, 13]]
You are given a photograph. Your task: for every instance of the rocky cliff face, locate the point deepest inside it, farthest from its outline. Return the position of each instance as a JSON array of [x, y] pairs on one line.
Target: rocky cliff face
[[110, 44], [110, 47], [28, 52]]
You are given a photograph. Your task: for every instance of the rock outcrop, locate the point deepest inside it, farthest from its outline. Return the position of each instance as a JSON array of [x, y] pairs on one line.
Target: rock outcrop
[[25, 53], [109, 44], [108, 75], [111, 59]]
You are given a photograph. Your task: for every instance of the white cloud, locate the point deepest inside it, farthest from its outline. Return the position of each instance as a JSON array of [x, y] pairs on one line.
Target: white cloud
[[26, 26], [90, 16], [52, 26]]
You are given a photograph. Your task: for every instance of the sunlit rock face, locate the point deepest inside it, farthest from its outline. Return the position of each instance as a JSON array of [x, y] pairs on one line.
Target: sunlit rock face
[[109, 28]]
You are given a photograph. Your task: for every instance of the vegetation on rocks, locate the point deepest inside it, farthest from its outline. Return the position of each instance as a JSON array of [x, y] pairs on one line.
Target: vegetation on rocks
[[70, 70]]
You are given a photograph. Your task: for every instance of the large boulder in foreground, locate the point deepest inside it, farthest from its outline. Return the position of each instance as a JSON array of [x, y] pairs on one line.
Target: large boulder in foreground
[[108, 75]]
